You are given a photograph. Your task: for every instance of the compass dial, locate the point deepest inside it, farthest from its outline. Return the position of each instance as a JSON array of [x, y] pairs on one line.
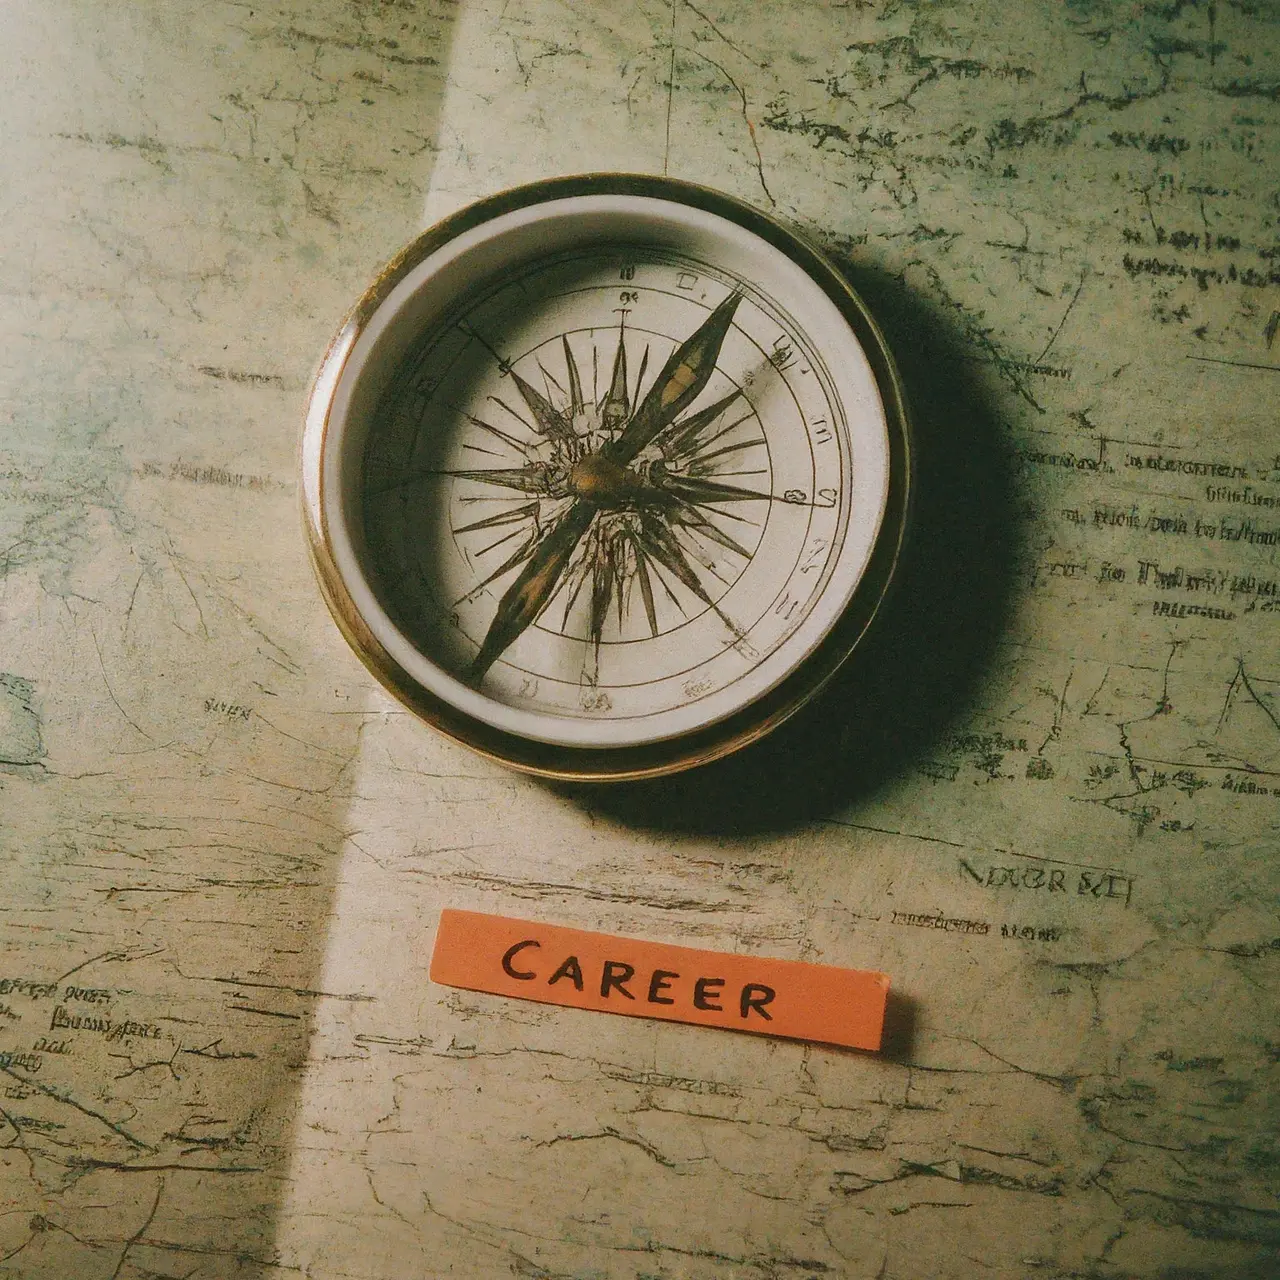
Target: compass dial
[[603, 471]]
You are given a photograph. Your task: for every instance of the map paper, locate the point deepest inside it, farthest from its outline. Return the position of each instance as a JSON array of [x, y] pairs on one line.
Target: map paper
[[1047, 806]]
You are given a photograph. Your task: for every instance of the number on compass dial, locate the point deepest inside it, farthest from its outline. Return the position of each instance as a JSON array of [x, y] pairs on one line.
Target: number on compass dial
[[612, 486]]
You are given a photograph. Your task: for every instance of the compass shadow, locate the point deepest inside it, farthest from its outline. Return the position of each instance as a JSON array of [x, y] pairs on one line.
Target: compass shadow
[[926, 656]]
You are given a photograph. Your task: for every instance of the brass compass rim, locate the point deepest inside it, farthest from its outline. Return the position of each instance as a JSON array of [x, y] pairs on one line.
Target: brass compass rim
[[711, 742]]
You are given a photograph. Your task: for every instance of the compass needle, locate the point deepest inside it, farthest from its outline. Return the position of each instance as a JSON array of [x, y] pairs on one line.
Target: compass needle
[[679, 383], [530, 593]]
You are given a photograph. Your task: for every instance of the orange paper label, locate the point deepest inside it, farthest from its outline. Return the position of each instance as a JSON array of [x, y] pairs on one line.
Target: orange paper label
[[653, 980]]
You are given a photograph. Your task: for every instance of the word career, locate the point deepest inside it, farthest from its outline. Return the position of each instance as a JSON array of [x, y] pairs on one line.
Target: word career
[[604, 973], [615, 974]]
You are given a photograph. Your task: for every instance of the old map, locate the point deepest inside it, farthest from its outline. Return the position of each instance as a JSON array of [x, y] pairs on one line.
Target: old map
[[1047, 804]]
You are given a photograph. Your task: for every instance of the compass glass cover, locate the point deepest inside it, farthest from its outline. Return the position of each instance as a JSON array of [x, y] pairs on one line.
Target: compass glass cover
[[612, 490]]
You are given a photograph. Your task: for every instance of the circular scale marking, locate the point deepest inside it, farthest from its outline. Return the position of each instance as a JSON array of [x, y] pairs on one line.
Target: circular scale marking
[[605, 477]]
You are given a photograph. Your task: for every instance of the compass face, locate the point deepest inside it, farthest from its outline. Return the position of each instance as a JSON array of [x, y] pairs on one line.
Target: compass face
[[600, 472]]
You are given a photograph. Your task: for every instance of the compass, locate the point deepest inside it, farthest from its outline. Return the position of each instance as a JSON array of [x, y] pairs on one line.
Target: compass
[[606, 476]]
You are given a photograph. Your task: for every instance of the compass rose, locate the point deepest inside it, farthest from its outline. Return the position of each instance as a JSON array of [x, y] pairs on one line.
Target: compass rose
[[623, 498], [606, 475]]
